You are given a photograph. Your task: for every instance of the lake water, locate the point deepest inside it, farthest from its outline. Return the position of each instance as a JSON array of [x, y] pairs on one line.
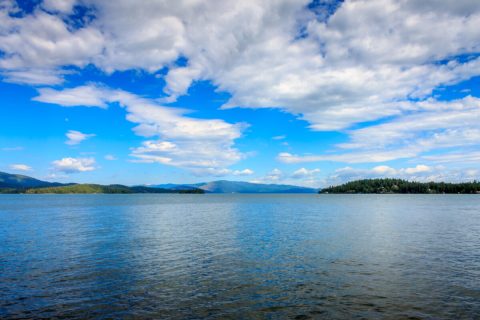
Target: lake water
[[240, 256]]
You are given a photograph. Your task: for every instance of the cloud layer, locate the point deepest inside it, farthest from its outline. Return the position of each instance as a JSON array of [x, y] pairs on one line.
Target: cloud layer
[[369, 69]]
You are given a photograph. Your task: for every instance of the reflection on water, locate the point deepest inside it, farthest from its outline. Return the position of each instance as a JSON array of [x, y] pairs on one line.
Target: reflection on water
[[240, 256]]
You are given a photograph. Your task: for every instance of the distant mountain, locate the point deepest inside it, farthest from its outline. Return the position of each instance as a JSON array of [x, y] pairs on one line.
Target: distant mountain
[[18, 181], [224, 186], [15, 183], [173, 186]]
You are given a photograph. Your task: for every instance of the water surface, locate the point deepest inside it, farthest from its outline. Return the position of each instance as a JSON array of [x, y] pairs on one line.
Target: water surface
[[240, 256]]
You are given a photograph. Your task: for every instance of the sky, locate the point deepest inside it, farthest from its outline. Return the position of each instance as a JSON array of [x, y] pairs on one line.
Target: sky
[[310, 93]]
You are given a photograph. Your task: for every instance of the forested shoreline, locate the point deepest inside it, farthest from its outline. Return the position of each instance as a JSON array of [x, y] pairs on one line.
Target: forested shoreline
[[403, 186]]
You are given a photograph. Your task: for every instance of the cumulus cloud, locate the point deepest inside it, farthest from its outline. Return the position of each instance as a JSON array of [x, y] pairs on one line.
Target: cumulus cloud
[[41, 41], [20, 167], [74, 165], [180, 140], [63, 6], [75, 137], [345, 69]]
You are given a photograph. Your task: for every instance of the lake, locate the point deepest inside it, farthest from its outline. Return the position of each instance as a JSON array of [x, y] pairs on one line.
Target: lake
[[240, 256]]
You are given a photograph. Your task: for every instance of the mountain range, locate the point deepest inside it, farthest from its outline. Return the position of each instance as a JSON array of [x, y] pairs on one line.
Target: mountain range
[[224, 186], [15, 183]]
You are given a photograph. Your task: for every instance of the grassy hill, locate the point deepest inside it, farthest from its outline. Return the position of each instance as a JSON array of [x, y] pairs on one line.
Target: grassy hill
[[16, 183], [96, 188], [402, 186]]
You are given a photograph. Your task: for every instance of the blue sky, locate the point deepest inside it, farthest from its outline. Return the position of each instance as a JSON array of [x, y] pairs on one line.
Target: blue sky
[[299, 92]]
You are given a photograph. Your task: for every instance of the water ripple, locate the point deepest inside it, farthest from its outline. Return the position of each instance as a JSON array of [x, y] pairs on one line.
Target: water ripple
[[240, 256]]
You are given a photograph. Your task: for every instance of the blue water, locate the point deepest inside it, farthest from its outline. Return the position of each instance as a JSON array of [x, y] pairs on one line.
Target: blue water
[[240, 256]]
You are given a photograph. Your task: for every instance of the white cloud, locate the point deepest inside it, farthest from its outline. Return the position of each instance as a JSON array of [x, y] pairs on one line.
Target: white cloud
[[346, 69], [244, 172], [85, 96], [20, 167], [41, 40], [282, 137], [304, 173], [351, 157], [110, 157], [463, 157], [441, 123], [34, 77], [430, 125], [418, 169], [63, 6], [75, 137], [73, 165], [180, 140]]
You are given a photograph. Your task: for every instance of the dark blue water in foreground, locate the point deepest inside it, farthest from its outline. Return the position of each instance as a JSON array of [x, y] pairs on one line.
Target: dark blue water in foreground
[[240, 256]]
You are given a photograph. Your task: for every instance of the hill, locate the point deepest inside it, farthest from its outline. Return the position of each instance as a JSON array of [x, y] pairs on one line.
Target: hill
[[110, 189], [224, 186], [402, 186], [18, 181], [15, 183]]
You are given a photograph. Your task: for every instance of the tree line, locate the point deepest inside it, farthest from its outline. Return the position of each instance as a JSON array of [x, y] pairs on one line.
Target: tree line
[[403, 186]]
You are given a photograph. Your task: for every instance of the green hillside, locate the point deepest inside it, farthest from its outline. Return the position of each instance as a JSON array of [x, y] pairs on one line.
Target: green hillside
[[16, 183], [96, 188]]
